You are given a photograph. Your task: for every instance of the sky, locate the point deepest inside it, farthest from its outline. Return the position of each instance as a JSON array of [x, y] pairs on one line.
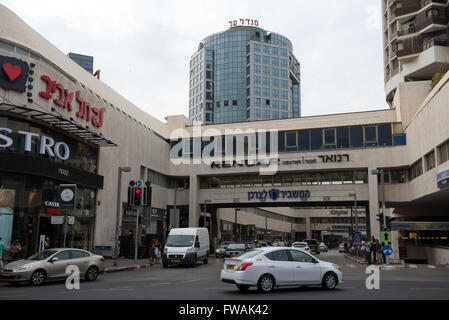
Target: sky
[[143, 47]]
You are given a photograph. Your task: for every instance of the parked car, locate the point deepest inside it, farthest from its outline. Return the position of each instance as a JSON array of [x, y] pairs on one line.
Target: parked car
[[262, 244], [301, 245], [322, 247], [341, 247], [186, 246], [235, 249], [51, 265], [313, 245], [275, 267], [221, 249]]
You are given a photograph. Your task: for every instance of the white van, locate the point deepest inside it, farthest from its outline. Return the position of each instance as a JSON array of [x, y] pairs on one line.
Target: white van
[[186, 246]]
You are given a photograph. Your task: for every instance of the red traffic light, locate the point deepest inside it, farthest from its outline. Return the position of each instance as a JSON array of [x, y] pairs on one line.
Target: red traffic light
[[138, 191]]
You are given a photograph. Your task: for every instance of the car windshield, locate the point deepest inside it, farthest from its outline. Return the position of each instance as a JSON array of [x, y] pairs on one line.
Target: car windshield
[[249, 254], [236, 246], [180, 241], [42, 255], [224, 246], [310, 241]]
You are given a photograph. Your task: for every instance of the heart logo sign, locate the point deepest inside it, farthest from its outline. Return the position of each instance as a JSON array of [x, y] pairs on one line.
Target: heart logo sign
[[13, 72]]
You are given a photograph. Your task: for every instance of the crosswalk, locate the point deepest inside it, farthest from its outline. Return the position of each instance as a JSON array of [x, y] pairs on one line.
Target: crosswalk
[[407, 266]]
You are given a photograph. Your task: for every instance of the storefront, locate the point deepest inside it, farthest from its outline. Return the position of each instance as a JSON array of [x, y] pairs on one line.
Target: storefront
[[35, 161]]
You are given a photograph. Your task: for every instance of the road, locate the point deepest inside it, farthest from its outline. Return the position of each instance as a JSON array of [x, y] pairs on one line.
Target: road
[[202, 283]]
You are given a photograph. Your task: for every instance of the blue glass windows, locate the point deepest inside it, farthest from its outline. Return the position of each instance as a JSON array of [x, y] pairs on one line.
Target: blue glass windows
[[370, 137], [316, 139], [329, 138], [356, 134], [342, 138], [291, 141], [385, 135]]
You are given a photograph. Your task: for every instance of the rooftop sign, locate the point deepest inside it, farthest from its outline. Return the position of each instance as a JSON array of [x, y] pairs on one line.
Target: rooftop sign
[[243, 22]]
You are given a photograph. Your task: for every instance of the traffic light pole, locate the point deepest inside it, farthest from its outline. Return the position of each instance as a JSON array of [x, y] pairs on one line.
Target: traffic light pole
[[137, 231]]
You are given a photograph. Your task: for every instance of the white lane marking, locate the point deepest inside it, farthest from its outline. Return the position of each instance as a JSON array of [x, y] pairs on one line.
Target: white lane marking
[[160, 284], [413, 266], [431, 267], [351, 266], [193, 280]]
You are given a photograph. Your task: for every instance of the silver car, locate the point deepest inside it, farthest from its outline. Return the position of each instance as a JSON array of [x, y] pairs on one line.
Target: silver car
[[51, 265]]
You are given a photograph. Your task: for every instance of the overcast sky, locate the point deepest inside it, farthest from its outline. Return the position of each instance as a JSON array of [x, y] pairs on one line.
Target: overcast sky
[[143, 47]]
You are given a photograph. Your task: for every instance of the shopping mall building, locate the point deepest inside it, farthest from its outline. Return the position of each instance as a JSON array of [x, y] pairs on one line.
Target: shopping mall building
[[288, 179]]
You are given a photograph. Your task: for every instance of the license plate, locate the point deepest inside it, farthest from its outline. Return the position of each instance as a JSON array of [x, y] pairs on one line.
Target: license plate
[[176, 261], [6, 274], [230, 267]]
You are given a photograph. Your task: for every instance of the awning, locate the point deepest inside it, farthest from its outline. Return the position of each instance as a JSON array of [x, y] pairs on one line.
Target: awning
[[59, 122]]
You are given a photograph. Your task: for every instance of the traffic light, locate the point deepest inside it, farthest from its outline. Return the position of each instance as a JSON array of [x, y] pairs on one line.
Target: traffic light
[[131, 193], [137, 196], [147, 194], [380, 218]]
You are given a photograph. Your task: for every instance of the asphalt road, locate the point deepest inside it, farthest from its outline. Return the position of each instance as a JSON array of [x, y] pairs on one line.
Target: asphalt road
[[202, 283]]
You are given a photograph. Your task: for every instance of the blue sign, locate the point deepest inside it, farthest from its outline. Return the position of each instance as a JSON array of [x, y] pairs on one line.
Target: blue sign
[[387, 250], [356, 238], [138, 184], [443, 179]]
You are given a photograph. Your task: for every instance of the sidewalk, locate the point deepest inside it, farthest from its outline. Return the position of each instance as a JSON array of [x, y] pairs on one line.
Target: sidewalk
[[124, 264], [383, 266]]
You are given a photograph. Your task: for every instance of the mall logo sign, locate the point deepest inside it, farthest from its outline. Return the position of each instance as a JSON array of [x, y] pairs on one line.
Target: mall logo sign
[[13, 74], [276, 194], [47, 145]]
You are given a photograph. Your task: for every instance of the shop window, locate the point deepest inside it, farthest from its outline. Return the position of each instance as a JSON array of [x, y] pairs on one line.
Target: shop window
[[342, 138], [356, 134], [430, 160], [370, 137], [385, 134], [415, 170], [329, 138], [291, 141], [304, 140], [316, 139], [444, 152], [397, 176]]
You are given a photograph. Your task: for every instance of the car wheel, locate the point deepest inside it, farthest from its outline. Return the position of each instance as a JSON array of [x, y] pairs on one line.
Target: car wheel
[[330, 281], [92, 273], [206, 261], [194, 262], [38, 278], [266, 283], [242, 287]]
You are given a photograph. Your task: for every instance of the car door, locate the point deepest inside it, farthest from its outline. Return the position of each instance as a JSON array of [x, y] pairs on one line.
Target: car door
[[80, 259], [56, 269], [305, 269], [281, 267]]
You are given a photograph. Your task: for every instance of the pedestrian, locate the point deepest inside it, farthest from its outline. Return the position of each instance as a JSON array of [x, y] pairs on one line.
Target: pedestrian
[[157, 252], [16, 250], [151, 252], [383, 255], [2, 245], [366, 252], [373, 250], [346, 247], [380, 259]]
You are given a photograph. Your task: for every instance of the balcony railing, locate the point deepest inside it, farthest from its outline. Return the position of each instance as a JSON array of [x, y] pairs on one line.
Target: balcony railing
[[424, 24], [416, 45]]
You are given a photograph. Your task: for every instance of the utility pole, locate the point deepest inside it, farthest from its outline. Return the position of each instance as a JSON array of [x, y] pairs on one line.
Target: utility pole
[[117, 218]]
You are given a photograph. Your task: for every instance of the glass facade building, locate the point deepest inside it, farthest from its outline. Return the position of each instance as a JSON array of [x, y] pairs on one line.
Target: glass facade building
[[244, 74]]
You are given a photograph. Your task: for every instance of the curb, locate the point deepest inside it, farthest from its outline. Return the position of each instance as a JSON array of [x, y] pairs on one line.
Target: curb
[[126, 268], [354, 259]]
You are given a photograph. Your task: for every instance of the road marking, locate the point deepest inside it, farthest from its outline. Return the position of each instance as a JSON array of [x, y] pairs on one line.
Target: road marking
[[431, 267], [193, 280], [413, 266], [351, 266], [160, 284], [429, 289]]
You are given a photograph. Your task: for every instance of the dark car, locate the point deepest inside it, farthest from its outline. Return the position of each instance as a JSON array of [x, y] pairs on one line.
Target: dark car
[[235, 249], [313, 245], [221, 249]]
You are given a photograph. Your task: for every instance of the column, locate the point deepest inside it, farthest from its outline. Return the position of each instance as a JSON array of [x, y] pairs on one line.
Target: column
[[308, 228], [373, 185], [194, 205]]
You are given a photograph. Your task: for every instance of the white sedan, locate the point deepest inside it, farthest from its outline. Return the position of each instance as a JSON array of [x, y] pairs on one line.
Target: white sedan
[[276, 267]]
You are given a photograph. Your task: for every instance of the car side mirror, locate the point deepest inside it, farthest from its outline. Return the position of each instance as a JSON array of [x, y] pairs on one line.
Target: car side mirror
[[197, 245], [315, 261], [54, 260]]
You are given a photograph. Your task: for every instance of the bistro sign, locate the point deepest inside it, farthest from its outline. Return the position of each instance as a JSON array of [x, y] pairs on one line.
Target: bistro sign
[[276, 194]]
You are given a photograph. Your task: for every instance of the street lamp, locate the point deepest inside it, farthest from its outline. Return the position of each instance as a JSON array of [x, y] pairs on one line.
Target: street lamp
[[382, 182], [235, 222], [117, 218], [355, 210]]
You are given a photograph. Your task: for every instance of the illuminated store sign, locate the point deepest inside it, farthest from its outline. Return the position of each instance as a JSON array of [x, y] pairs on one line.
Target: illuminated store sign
[[47, 145], [275, 194], [13, 74], [64, 99]]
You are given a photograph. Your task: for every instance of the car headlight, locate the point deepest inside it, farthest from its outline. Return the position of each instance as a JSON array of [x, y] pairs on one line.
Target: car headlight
[[23, 268], [336, 266]]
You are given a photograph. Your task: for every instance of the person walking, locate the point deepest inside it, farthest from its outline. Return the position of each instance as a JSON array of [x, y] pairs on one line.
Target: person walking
[[152, 252], [16, 250], [382, 250], [379, 248], [373, 250], [157, 251], [2, 245]]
